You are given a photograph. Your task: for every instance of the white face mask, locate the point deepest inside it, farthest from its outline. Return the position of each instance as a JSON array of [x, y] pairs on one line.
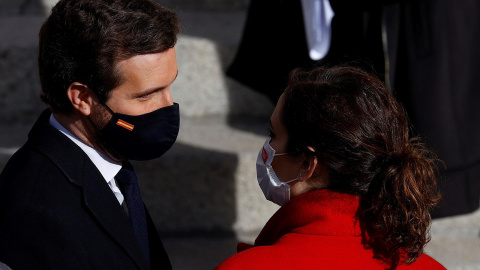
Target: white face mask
[[274, 190]]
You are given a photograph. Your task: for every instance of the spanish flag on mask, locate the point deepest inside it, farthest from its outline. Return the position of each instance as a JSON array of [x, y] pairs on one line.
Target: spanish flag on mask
[[125, 124]]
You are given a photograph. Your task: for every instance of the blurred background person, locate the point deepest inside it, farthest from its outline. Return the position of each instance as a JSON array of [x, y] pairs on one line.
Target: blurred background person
[[433, 64]]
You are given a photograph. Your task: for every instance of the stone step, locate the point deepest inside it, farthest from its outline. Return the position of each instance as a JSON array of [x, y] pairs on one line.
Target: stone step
[[19, 81], [24, 7], [456, 241]]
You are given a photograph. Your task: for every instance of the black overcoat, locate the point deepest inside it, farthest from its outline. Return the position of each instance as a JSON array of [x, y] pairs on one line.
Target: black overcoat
[[57, 211]]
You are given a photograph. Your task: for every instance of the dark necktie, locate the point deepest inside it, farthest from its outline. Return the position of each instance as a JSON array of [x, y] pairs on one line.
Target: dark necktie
[[136, 208]]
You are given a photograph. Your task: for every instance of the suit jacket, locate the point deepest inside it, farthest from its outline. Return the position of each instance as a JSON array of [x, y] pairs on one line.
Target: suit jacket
[[315, 230], [57, 211]]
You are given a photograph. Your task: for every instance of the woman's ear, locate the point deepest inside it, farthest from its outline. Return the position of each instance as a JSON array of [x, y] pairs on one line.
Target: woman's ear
[[80, 97], [308, 166]]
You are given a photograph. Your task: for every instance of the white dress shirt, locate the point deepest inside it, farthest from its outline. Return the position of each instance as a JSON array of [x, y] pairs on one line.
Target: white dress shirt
[[107, 166], [317, 18]]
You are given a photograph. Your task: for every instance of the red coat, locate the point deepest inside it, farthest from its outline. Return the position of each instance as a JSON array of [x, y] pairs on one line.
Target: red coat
[[315, 230]]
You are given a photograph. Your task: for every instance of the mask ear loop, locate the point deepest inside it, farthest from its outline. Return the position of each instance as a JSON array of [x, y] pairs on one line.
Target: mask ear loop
[[286, 153], [108, 108], [294, 179], [104, 105]]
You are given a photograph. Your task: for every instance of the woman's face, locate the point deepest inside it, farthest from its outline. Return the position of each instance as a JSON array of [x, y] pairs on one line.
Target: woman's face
[[286, 167]]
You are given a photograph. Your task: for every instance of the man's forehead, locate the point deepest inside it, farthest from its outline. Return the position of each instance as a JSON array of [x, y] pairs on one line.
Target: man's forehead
[[154, 60], [147, 72]]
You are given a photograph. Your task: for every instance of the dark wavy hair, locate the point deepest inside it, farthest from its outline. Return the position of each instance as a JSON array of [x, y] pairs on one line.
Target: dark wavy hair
[[82, 40], [361, 134]]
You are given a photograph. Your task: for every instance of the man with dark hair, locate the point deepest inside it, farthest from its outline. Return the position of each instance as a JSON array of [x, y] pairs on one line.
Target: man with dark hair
[[69, 198]]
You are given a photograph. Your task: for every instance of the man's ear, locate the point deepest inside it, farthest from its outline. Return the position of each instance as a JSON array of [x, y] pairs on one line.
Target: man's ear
[[308, 166], [81, 97]]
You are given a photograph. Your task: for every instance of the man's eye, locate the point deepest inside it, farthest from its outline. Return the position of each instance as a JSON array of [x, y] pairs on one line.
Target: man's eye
[[146, 96]]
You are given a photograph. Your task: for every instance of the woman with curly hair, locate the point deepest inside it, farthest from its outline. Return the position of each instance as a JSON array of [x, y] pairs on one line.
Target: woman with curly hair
[[355, 191]]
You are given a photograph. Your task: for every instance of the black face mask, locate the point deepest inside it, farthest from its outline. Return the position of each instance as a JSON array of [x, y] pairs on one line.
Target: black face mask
[[142, 137]]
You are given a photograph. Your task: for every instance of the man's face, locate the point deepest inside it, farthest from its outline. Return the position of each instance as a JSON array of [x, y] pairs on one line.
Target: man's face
[[146, 87]]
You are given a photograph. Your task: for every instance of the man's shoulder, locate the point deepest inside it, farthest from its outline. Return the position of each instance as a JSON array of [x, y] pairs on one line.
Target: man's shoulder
[[20, 176], [26, 161], [44, 164], [47, 153]]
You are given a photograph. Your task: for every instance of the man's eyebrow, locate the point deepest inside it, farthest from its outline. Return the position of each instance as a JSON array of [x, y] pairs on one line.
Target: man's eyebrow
[[148, 91], [153, 90]]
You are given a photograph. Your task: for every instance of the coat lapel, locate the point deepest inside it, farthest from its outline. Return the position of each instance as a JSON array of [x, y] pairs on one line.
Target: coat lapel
[[97, 196], [105, 208]]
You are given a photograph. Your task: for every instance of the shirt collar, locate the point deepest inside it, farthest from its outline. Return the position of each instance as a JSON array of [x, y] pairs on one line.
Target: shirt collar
[[107, 166]]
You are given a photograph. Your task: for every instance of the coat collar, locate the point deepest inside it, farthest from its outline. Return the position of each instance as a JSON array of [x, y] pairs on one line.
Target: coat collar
[[58, 148], [319, 212], [97, 196]]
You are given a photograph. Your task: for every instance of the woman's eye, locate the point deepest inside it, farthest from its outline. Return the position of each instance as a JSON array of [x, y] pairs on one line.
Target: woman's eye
[[270, 133]]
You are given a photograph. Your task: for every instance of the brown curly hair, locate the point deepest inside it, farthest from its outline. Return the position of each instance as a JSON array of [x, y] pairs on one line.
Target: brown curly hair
[[361, 134]]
